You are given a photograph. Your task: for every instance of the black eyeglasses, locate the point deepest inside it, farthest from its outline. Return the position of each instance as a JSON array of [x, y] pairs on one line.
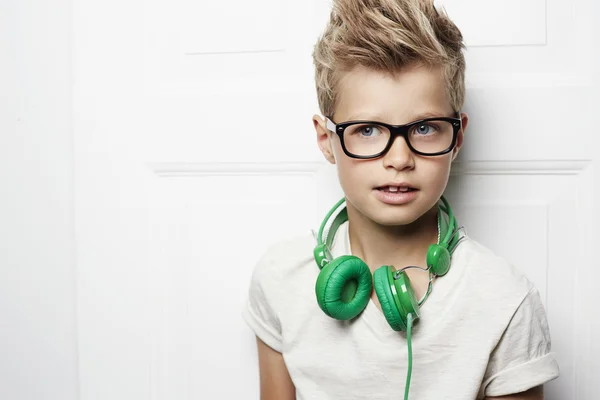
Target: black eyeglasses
[[372, 139]]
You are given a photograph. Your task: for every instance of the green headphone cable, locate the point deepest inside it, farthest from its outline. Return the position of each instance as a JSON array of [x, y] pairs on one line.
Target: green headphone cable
[[409, 342]]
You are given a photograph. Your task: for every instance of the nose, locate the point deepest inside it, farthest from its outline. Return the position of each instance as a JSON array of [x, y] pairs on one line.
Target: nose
[[399, 156]]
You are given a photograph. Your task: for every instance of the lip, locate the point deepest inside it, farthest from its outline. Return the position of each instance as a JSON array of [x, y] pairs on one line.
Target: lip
[[395, 198]]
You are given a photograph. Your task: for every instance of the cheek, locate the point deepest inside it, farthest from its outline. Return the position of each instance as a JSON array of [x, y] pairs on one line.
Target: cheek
[[437, 171], [349, 169], [355, 175]]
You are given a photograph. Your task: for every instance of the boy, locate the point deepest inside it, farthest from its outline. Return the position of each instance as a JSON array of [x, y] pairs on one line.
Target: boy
[[483, 332]]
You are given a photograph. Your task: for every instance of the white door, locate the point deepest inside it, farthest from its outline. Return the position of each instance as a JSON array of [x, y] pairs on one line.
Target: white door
[[193, 137]]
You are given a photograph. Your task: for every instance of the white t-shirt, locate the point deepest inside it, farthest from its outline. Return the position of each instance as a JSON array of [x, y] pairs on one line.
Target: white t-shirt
[[482, 331]]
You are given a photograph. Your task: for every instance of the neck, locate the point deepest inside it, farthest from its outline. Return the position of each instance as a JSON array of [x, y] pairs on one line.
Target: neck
[[397, 245]]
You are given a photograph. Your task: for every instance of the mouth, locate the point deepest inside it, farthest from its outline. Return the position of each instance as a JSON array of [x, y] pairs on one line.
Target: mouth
[[396, 189], [396, 194]]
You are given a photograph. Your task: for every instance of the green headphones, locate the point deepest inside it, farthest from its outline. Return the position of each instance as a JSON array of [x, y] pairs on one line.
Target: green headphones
[[344, 285]]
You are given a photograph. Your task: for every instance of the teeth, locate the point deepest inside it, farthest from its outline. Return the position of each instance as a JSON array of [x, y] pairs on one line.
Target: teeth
[[397, 189]]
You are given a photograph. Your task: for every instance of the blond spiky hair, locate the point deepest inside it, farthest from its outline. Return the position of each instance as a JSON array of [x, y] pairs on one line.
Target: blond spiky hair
[[387, 35]]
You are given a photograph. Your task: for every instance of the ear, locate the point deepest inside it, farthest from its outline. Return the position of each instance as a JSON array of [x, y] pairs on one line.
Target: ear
[[460, 137], [324, 138]]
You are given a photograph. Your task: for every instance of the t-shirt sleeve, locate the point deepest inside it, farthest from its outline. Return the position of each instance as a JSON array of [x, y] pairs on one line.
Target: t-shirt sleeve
[[260, 308], [522, 359]]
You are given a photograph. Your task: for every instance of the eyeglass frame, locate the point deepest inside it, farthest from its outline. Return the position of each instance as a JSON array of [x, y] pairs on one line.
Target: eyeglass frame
[[395, 131]]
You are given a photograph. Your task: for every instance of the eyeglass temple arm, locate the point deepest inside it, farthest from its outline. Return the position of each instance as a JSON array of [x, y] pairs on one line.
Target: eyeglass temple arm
[[330, 125]]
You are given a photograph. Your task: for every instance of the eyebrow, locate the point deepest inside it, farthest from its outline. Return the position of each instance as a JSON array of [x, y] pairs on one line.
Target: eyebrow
[[380, 118]]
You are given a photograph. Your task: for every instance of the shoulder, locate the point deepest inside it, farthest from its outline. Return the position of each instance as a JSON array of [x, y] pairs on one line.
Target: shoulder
[[491, 277], [286, 254], [282, 260], [273, 278], [516, 328]]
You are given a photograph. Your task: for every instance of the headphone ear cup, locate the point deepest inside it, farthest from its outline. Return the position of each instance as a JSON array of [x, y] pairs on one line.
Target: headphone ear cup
[[344, 287], [389, 306], [438, 259]]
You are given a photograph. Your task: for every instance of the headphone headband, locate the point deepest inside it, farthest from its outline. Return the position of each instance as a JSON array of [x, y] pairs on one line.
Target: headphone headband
[[322, 251]]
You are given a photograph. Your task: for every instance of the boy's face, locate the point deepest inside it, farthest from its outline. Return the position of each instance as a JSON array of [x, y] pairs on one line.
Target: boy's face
[[413, 94]]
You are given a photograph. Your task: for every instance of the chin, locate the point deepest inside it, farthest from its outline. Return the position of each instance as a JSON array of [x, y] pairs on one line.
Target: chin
[[394, 215], [395, 220]]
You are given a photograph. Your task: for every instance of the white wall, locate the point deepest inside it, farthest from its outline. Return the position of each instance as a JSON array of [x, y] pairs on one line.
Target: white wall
[[38, 308], [37, 246]]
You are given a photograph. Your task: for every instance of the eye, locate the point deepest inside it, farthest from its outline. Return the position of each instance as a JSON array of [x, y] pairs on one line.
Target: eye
[[425, 129], [369, 130]]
